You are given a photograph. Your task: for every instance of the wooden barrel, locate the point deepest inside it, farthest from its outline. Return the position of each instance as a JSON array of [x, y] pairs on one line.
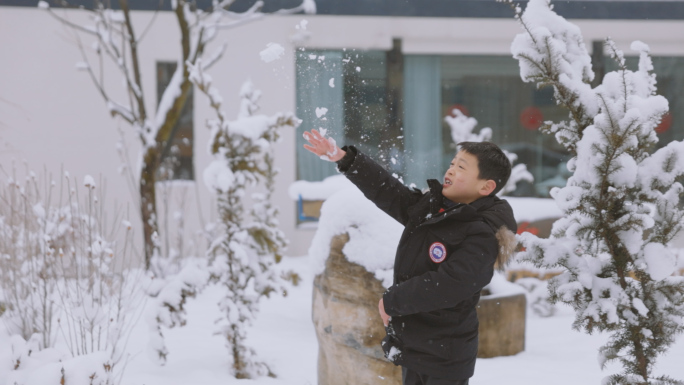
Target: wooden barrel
[[502, 325]]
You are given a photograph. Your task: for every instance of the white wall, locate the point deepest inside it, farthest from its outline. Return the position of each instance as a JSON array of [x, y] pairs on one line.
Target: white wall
[[52, 116]]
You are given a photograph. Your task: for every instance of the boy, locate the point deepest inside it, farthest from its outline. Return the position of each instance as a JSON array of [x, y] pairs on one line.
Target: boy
[[454, 236]]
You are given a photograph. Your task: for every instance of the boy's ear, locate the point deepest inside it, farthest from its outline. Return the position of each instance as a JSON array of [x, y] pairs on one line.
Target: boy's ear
[[487, 188]]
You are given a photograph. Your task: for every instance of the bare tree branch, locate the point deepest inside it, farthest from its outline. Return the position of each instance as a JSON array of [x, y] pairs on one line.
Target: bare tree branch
[[215, 57], [149, 25], [70, 24], [133, 45]]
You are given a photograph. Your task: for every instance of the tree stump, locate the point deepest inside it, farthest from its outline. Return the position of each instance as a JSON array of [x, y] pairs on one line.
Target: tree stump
[[348, 325], [502, 325]]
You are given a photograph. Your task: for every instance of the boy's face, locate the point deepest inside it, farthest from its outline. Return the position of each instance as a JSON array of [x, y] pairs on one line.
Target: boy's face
[[461, 182]]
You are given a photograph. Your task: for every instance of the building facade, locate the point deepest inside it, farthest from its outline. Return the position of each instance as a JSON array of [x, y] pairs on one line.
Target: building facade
[[387, 74]]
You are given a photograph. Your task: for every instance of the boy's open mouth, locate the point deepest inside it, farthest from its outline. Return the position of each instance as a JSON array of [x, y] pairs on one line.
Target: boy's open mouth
[[447, 182]]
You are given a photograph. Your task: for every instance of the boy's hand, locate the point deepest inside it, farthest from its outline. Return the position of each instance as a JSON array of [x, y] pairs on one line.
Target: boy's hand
[[383, 315], [325, 148]]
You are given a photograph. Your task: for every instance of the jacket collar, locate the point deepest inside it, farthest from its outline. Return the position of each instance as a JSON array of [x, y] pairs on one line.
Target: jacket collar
[[437, 198], [465, 212]]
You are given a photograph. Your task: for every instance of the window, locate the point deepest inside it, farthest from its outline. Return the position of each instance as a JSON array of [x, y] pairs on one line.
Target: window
[[351, 85], [177, 154], [487, 88]]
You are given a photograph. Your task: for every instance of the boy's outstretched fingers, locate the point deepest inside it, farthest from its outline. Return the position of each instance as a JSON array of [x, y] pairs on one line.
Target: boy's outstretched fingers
[[326, 148], [317, 143]]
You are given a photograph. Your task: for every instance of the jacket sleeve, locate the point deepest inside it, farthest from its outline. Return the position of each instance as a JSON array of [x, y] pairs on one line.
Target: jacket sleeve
[[386, 191], [466, 271]]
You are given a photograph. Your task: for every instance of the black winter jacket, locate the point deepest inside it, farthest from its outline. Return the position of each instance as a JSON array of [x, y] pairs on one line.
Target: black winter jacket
[[443, 261]]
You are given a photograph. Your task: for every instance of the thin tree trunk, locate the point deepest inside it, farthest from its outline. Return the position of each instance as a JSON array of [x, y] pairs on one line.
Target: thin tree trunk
[[152, 157], [148, 202]]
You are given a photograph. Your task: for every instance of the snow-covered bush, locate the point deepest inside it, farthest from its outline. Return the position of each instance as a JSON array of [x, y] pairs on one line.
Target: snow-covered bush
[[180, 270], [621, 205], [169, 296], [246, 246], [58, 272], [27, 268], [537, 293], [462, 127]]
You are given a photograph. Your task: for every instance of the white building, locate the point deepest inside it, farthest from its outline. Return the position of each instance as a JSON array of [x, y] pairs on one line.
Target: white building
[[353, 58]]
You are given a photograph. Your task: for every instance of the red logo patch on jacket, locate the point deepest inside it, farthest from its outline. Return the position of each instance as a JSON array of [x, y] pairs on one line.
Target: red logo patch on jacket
[[438, 252]]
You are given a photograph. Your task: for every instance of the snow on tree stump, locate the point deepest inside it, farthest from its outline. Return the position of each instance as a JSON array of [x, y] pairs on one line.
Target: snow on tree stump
[[502, 325], [348, 325]]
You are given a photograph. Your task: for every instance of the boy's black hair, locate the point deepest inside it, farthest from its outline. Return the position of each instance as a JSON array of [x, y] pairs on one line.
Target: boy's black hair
[[491, 161]]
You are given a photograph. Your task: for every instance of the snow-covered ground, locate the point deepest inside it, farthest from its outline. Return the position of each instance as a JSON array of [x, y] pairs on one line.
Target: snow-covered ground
[[284, 337]]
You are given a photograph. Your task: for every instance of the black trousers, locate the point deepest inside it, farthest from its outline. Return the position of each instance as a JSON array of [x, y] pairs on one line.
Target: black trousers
[[410, 377]]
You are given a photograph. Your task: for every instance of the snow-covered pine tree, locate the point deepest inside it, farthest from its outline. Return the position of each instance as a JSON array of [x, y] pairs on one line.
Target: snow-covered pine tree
[[245, 249], [622, 203], [462, 127]]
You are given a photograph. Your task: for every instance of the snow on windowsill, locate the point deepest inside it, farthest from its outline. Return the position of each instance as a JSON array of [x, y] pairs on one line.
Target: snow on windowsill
[[307, 226]]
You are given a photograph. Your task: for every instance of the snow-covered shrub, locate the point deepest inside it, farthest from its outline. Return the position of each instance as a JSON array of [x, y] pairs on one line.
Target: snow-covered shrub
[[169, 296], [621, 205], [537, 293], [66, 300], [462, 127], [246, 245], [27, 266]]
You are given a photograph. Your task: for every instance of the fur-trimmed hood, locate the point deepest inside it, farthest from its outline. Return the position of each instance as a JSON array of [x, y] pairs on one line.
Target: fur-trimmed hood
[[499, 215], [507, 246]]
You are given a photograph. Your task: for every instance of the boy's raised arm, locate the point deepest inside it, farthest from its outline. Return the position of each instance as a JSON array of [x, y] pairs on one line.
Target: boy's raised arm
[[378, 185]]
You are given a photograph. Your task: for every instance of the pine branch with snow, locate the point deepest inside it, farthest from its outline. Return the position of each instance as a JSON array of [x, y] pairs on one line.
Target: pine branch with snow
[[552, 53], [462, 127], [622, 203]]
